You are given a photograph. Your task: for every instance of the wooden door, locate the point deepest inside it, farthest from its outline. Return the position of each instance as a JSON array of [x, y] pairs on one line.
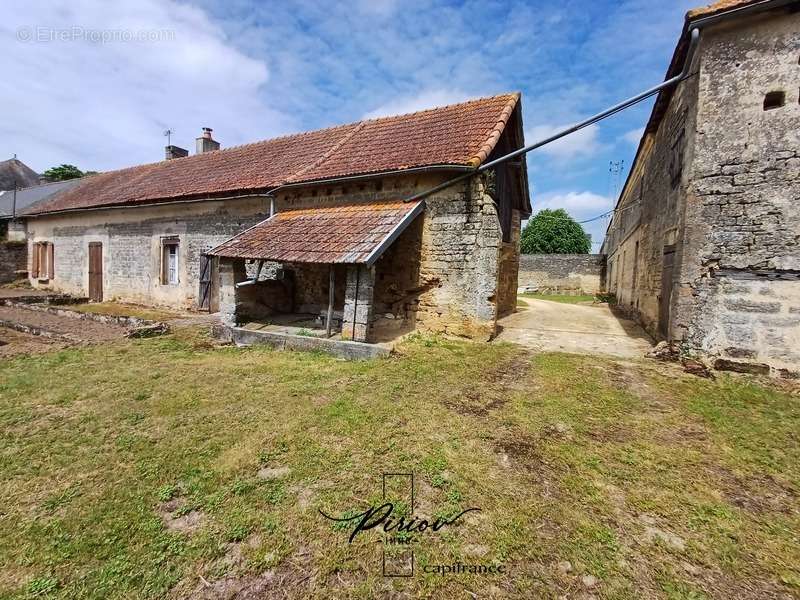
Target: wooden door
[[96, 272], [665, 299], [204, 296]]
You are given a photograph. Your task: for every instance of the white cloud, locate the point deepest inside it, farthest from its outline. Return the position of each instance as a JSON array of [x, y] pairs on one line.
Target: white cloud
[[579, 204], [582, 143], [634, 135], [416, 102], [105, 105]]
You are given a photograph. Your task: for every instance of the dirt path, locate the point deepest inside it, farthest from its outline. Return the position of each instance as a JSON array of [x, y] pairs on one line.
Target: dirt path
[[77, 330], [15, 342], [578, 328]]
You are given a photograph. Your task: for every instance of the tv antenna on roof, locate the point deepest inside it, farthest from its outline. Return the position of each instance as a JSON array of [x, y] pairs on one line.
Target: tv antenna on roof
[[168, 133]]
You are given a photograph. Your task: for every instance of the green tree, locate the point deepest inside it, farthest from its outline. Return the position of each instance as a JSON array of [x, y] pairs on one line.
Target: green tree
[[63, 172], [554, 232]]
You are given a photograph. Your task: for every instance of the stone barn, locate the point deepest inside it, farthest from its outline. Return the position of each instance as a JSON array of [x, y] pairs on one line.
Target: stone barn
[[703, 246], [330, 231]]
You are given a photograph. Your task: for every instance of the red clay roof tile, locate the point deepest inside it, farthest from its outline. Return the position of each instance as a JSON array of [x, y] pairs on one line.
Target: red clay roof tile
[[461, 134], [338, 234], [717, 7]]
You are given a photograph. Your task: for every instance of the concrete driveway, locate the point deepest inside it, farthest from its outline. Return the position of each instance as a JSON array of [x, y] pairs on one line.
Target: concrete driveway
[[576, 328]]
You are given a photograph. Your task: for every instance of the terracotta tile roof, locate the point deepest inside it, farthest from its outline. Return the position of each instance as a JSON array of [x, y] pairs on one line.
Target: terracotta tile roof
[[461, 134], [339, 234], [717, 7]]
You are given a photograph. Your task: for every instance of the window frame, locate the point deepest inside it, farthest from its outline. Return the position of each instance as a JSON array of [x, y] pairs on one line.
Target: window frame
[[42, 261], [168, 243]]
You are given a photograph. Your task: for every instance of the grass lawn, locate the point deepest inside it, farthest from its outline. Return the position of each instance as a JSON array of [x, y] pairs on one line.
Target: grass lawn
[[167, 467], [561, 298], [120, 309]]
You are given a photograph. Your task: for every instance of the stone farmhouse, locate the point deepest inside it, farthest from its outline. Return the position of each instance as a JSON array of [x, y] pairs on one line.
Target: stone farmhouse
[[331, 226], [704, 244]]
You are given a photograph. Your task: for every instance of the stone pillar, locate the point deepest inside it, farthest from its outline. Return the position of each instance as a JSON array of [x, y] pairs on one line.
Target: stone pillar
[[358, 303], [231, 271]]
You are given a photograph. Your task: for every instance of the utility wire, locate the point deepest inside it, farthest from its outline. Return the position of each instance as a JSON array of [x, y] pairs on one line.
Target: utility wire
[[605, 214]]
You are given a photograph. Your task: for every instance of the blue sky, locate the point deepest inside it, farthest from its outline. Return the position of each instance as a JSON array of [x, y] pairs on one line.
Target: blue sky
[[253, 70]]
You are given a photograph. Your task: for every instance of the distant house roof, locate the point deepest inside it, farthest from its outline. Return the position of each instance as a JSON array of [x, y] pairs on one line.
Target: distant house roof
[[15, 173], [27, 197], [357, 233], [460, 135]]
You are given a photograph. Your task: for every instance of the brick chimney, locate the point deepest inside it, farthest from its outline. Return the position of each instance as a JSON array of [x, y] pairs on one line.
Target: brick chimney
[[171, 152], [205, 143]]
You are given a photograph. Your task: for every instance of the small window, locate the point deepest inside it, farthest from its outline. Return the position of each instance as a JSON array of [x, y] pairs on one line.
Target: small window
[[774, 100], [169, 261]]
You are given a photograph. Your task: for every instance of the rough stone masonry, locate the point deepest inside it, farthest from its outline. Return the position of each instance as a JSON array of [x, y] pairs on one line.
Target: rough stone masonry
[[562, 273], [709, 254]]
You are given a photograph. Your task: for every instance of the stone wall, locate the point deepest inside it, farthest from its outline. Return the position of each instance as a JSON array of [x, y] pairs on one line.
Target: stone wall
[[457, 242], [508, 276], [562, 273], [714, 191], [253, 302], [132, 239], [397, 284], [742, 286], [13, 260], [459, 268], [443, 274], [641, 239]]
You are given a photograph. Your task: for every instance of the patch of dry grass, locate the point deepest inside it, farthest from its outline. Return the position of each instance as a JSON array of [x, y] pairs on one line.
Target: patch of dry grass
[[121, 309], [562, 298], [169, 467]]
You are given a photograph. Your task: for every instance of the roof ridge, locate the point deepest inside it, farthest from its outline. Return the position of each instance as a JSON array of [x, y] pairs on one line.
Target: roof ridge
[[494, 135], [364, 121], [309, 132], [228, 149], [321, 160], [58, 182], [437, 108], [460, 135]]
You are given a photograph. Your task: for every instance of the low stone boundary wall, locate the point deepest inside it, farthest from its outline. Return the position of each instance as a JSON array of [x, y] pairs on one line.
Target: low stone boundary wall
[[42, 299], [13, 260], [284, 341], [74, 314], [136, 326], [40, 331], [570, 274]]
